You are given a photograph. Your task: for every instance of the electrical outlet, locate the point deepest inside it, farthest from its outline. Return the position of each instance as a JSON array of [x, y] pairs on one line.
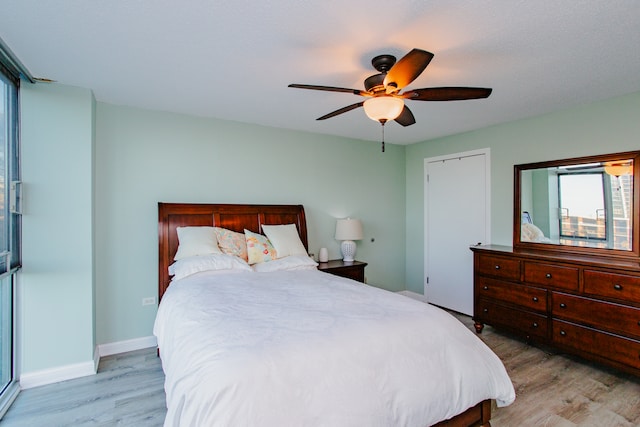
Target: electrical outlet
[[149, 301]]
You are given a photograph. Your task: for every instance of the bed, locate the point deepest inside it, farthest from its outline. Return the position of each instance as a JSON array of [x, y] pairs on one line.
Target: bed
[[289, 345]]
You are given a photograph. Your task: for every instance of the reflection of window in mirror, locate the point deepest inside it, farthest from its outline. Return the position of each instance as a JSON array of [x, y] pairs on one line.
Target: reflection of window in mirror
[[581, 197], [587, 205], [594, 207]]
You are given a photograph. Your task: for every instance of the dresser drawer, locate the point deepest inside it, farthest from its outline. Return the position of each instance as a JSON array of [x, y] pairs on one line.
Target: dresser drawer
[[612, 285], [602, 344], [602, 315], [556, 276], [524, 296], [524, 323], [496, 266]]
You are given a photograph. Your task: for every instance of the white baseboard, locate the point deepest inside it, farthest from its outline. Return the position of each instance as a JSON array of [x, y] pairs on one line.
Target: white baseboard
[[54, 375], [125, 346], [69, 372], [413, 295]]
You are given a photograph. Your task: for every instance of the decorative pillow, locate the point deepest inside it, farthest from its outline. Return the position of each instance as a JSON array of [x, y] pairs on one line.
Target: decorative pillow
[[214, 262], [231, 243], [196, 241], [285, 239], [294, 262], [259, 249]]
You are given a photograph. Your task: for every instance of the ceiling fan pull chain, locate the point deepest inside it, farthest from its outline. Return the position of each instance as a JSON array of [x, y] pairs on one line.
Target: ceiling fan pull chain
[[382, 122]]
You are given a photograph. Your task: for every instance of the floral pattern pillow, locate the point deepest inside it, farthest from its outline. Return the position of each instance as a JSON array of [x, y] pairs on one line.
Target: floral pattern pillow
[[259, 248], [232, 243]]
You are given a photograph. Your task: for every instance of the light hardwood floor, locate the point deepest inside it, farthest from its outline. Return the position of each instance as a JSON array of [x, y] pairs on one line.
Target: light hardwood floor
[[552, 390], [127, 391], [558, 390]]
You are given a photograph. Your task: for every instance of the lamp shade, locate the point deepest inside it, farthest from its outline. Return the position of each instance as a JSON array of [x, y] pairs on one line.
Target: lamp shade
[[348, 229], [383, 108]]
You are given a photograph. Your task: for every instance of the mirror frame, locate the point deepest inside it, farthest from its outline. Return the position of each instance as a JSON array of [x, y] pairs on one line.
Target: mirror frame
[[632, 255]]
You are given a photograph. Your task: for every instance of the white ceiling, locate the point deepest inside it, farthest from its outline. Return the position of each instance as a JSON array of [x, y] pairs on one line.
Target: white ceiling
[[233, 59]]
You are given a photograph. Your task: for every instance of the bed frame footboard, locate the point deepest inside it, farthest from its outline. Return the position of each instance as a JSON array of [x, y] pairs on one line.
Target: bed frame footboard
[[478, 415]]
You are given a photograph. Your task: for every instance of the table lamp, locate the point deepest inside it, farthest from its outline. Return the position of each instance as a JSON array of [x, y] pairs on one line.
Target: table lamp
[[348, 230]]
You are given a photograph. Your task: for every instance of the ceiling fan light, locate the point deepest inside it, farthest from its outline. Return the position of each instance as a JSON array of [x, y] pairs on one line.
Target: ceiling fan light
[[618, 169], [383, 108]]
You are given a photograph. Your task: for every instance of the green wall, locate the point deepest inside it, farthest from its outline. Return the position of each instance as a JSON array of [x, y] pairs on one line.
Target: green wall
[[604, 127], [143, 157], [85, 273], [94, 173], [56, 284]]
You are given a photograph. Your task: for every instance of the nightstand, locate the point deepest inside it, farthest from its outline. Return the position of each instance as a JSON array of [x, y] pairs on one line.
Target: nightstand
[[351, 270]]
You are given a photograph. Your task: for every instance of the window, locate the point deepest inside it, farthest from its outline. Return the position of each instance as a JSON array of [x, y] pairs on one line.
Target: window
[[9, 232], [594, 209]]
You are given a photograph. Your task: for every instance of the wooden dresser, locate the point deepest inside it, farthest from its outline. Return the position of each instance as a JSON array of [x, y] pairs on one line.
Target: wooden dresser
[[581, 304]]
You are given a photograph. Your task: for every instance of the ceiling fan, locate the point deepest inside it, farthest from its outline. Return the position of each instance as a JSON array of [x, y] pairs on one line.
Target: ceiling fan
[[385, 102]]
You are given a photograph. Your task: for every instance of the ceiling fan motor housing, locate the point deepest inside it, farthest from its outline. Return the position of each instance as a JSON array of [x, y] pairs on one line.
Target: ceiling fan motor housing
[[375, 83], [382, 63]]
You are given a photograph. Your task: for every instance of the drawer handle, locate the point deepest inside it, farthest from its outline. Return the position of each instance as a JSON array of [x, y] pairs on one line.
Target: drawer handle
[[563, 305], [548, 276], [485, 310], [617, 287], [535, 324], [535, 299], [563, 333], [486, 288], [497, 267]]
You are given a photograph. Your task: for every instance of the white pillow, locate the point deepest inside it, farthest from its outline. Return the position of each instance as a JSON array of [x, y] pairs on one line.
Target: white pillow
[[294, 262], [530, 233], [196, 241], [285, 239], [213, 262]]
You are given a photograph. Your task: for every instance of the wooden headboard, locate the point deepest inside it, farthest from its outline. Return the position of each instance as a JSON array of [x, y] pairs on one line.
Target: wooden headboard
[[232, 217]]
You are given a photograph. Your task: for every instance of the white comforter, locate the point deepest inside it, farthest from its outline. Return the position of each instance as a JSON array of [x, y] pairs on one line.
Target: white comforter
[[305, 348]]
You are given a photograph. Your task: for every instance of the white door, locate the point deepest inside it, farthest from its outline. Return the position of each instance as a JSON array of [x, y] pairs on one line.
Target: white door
[[457, 216]]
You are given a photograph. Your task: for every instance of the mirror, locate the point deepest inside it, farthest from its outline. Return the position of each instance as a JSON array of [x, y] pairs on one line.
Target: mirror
[[586, 204]]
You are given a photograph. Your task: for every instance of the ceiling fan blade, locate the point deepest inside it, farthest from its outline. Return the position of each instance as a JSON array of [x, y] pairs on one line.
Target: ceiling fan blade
[[330, 89], [408, 68], [341, 110], [406, 117], [447, 93]]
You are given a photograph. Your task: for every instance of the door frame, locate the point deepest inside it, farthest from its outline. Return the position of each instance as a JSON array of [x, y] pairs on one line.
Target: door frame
[[487, 158]]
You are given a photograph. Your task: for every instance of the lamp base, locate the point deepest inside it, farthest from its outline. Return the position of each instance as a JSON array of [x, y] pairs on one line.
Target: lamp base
[[348, 248]]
